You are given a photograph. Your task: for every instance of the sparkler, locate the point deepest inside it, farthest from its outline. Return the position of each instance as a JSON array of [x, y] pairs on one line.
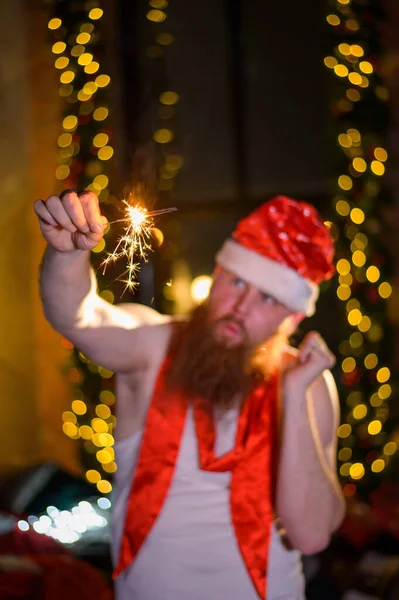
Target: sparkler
[[135, 242]]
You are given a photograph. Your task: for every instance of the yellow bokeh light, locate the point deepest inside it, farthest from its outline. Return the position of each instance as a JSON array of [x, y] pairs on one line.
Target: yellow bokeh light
[[107, 397], [377, 167], [355, 317], [346, 279], [385, 391], [163, 136], [100, 246], [69, 417], [110, 467], [357, 50], [344, 430], [85, 58], [381, 154], [79, 407], [70, 429], [108, 296], [376, 333], [87, 27], [100, 113], [344, 140], [77, 50], [103, 457], [344, 292], [169, 98], [366, 67], [93, 476], [58, 47], [333, 20], [345, 49], [355, 78], [83, 38], [375, 400], [374, 427], [105, 153], [54, 23], [104, 487], [378, 465], [156, 16], [364, 324], [165, 39], [390, 448], [353, 304], [330, 62], [67, 76], [373, 274], [356, 471], [383, 375], [92, 67], [348, 364], [354, 134], [385, 289], [86, 432], [101, 181], [70, 122], [345, 182], [353, 95], [103, 411], [360, 411], [102, 80], [352, 25], [342, 208], [356, 339], [343, 266], [357, 216], [64, 140], [83, 96], [359, 164], [358, 258], [99, 425], [344, 454], [95, 13], [101, 139], [371, 361], [341, 70], [61, 62], [62, 172], [344, 470]]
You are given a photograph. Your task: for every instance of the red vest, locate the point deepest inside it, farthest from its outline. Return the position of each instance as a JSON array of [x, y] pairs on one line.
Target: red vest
[[251, 461]]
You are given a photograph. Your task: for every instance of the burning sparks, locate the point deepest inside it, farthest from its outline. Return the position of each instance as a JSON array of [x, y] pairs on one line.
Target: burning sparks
[[135, 242]]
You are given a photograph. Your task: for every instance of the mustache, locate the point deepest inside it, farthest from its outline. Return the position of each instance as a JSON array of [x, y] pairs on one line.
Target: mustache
[[235, 321]]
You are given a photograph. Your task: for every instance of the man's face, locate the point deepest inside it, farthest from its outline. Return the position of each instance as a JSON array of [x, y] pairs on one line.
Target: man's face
[[241, 314]]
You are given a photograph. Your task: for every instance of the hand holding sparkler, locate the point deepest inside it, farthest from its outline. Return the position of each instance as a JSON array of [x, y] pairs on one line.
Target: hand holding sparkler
[[71, 221]]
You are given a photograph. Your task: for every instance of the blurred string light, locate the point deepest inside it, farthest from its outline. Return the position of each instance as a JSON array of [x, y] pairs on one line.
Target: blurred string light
[[362, 286], [85, 148], [68, 526], [170, 162]]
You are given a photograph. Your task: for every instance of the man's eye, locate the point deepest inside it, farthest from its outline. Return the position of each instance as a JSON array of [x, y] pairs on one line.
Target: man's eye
[[268, 299], [238, 283]]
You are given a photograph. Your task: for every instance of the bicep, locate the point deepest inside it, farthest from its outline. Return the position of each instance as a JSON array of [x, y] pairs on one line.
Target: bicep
[[115, 337]]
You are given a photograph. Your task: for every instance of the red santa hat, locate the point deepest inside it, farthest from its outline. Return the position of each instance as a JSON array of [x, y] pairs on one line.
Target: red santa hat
[[284, 249]]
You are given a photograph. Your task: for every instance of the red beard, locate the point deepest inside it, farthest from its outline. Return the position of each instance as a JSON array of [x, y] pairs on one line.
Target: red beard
[[205, 367]]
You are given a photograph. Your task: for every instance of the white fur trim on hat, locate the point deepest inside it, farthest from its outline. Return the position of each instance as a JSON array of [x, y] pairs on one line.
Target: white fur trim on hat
[[270, 277]]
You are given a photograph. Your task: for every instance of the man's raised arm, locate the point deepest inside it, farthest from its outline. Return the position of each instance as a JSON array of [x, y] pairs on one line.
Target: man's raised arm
[[109, 335]]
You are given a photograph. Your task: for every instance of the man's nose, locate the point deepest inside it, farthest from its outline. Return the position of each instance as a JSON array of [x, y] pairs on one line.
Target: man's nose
[[244, 302]]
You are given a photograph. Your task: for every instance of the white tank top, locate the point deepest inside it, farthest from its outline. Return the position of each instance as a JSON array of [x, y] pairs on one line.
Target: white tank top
[[191, 552]]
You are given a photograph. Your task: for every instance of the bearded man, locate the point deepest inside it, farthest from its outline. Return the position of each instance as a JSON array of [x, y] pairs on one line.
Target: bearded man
[[226, 436]]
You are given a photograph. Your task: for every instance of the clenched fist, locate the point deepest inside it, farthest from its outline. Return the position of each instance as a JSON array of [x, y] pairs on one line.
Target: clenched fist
[[72, 221]]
